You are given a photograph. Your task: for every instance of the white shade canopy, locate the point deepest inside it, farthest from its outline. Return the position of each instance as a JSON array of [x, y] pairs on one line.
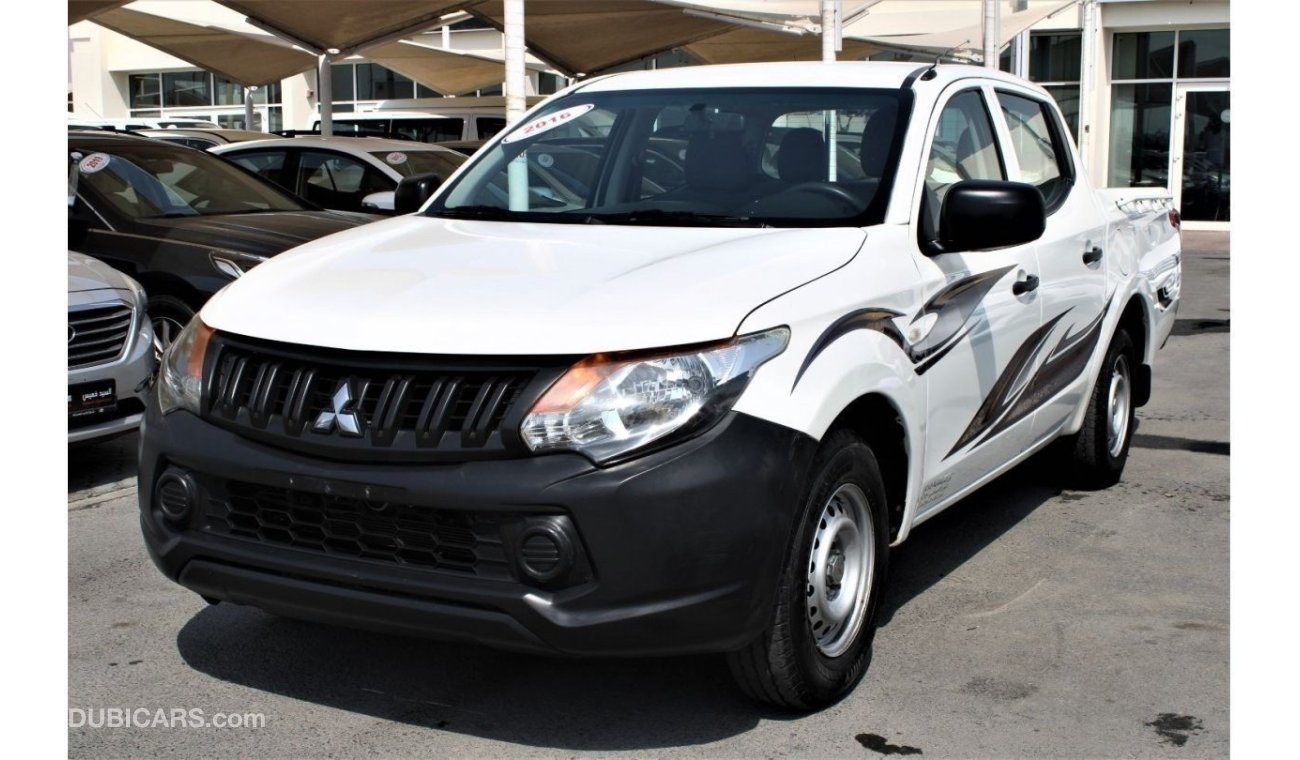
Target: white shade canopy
[[244, 58]]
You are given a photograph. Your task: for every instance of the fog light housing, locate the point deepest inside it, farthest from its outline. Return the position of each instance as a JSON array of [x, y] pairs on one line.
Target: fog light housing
[[547, 549], [176, 495]]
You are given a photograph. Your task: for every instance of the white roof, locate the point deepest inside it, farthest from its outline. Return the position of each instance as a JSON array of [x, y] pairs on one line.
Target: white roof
[[791, 74]]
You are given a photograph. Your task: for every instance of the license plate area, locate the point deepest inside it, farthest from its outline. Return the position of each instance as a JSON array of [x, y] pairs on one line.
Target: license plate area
[[91, 399]]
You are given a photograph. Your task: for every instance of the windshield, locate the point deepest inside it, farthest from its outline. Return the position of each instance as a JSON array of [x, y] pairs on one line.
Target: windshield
[[152, 180], [409, 163], [750, 157]]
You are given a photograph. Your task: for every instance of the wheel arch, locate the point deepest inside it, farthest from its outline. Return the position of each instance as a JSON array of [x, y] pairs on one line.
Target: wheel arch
[[880, 422], [1137, 323]]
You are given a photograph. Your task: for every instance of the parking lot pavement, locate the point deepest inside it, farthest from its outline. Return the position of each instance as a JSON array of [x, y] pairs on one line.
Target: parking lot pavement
[[1025, 621]]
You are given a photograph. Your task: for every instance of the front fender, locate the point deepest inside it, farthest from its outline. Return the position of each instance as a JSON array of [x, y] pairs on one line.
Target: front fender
[[823, 371]]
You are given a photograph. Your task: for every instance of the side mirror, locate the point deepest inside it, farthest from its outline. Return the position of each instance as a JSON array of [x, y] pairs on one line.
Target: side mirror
[[382, 202], [979, 215], [413, 191]]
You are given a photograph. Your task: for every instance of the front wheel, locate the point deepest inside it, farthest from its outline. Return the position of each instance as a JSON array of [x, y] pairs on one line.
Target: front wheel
[[1096, 455], [168, 315], [818, 640]]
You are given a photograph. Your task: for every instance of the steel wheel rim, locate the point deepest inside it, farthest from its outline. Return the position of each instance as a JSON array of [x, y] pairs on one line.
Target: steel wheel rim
[[841, 561], [1118, 406], [165, 330]]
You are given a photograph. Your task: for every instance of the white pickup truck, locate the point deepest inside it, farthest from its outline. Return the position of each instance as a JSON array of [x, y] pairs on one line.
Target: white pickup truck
[[668, 367]]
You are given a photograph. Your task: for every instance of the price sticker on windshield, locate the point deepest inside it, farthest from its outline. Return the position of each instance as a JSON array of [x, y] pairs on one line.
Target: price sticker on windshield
[[395, 158], [93, 163], [547, 123]]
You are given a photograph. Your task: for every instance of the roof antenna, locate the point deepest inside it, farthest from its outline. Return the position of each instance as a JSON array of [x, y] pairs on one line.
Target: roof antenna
[[930, 73]]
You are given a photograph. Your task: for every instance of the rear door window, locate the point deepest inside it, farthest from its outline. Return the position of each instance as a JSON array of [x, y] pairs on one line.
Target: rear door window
[[1039, 145]]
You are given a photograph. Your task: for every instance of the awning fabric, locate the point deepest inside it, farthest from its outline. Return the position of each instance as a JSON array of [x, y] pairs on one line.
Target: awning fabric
[[345, 25], [587, 36], [447, 71], [745, 45], [80, 10], [249, 60], [970, 38], [802, 13]]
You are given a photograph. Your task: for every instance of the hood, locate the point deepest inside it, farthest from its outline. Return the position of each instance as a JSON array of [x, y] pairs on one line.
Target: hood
[[87, 274], [417, 284], [262, 234]]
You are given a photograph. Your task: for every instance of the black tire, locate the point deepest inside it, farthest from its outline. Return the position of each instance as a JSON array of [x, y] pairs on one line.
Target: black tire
[[1094, 458], [786, 666], [168, 315]]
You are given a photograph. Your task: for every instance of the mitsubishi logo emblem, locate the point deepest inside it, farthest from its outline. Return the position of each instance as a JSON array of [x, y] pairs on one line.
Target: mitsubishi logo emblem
[[340, 414]]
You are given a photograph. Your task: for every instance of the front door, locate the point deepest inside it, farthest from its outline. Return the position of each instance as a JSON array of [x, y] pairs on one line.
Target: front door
[[1202, 158], [971, 337]]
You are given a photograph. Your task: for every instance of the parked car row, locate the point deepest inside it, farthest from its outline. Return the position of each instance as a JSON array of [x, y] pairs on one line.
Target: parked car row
[[179, 223]]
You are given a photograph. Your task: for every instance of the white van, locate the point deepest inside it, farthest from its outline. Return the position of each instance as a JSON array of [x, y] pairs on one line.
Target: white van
[[428, 119]]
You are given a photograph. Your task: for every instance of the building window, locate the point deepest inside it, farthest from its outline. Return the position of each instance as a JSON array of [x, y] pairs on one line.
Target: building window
[[1145, 69], [1054, 63], [183, 89], [1203, 54], [176, 95], [145, 91]]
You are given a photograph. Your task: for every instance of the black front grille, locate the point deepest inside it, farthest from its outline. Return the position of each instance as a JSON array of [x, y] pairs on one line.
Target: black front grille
[[354, 405], [381, 531], [98, 335]]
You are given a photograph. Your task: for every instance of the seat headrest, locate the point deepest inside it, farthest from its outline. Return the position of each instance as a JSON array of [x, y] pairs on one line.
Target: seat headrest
[[801, 156], [716, 162], [873, 152]]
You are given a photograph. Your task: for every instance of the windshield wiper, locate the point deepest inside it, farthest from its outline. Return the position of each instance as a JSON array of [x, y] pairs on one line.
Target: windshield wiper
[[476, 212], [655, 216]]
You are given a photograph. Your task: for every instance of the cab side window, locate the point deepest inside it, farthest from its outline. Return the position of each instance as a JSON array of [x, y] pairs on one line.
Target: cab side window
[[1040, 148], [964, 147]]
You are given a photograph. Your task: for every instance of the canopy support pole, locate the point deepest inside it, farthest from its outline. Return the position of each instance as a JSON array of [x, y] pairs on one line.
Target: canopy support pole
[[831, 30], [248, 108], [1088, 78], [992, 33], [325, 96], [514, 43], [517, 169]]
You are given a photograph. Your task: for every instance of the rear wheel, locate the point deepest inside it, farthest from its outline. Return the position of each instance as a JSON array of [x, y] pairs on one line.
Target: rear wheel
[[1096, 455], [818, 641], [168, 315]]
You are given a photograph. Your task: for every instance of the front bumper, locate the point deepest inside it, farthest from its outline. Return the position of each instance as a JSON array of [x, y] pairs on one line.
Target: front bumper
[[683, 547]]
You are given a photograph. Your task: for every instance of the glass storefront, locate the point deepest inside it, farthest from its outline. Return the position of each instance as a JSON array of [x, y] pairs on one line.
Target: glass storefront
[[1160, 80], [201, 95], [1206, 155]]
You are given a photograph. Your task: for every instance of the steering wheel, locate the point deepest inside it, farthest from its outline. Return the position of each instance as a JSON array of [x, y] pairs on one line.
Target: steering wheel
[[827, 190]]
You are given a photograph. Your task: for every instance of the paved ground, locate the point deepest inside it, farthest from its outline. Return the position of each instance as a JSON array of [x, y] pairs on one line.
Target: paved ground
[[1023, 622]]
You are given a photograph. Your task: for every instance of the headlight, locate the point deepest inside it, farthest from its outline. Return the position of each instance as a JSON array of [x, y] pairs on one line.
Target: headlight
[[608, 405], [234, 265], [180, 378]]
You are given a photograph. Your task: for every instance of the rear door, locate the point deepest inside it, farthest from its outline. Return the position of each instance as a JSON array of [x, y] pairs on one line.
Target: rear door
[[971, 337], [1071, 255]]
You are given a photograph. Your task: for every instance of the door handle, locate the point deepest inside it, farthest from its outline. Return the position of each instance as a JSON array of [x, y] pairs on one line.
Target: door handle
[[1092, 255], [1027, 284]]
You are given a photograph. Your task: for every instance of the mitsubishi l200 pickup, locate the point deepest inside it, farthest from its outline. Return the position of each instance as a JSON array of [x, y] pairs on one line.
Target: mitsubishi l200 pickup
[[669, 366]]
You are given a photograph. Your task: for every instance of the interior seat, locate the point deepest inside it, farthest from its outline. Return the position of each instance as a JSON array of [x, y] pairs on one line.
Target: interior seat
[[801, 157]]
